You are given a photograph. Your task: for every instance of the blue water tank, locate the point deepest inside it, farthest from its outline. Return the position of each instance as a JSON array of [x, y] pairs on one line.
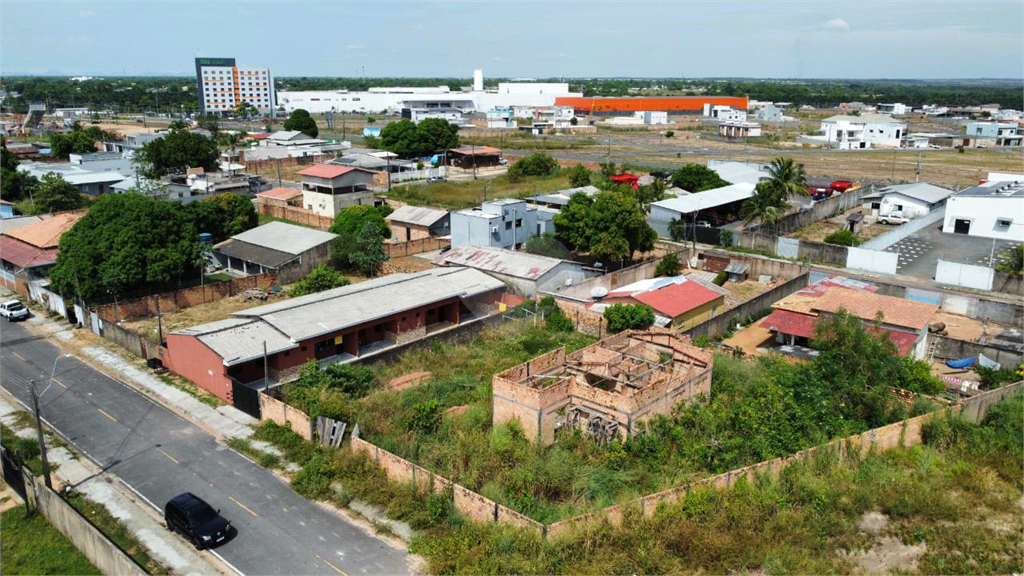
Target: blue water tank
[[206, 237]]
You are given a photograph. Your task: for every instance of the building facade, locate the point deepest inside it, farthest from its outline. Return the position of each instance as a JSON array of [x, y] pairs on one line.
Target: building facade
[[222, 86], [994, 209], [328, 189], [505, 223]]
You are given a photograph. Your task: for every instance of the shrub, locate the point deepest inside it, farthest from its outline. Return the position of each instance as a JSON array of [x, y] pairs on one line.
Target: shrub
[[992, 378], [320, 279], [628, 316], [669, 134], [536, 164], [722, 277], [558, 322], [669, 266], [426, 416], [842, 238]]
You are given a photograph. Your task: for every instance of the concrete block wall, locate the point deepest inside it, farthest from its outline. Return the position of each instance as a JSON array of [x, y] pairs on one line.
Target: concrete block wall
[[147, 307], [284, 415], [103, 553]]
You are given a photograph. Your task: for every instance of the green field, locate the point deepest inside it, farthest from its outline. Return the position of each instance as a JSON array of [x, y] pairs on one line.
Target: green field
[[32, 546]]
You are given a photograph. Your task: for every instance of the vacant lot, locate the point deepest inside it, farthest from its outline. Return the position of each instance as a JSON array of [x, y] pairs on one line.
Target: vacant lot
[[458, 195], [33, 546]]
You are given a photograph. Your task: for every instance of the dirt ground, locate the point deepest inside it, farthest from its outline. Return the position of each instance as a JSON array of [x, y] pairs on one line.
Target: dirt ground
[[817, 231], [964, 328], [130, 127], [743, 291], [750, 338]]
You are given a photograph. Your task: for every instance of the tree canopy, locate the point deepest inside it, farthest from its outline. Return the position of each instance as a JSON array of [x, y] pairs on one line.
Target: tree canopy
[[547, 245], [176, 152], [696, 178], [579, 176], [223, 215], [55, 194], [410, 140], [300, 120], [347, 250], [628, 316], [771, 195], [536, 164], [610, 225], [14, 185], [124, 242], [319, 279]]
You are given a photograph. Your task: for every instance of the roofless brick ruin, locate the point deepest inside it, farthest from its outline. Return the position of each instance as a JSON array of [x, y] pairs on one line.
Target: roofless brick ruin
[[605, 389]]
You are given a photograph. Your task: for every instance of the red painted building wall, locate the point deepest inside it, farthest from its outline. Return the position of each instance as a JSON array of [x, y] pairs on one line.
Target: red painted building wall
[[663, 104], [186, 356]]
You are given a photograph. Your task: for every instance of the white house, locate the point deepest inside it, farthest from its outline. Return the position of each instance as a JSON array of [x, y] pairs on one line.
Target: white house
[[769, 113], [998, 133], [896, 109], [994, 209], [857, 132], [906, 200], [738, 129], [328, 189], [503, 223]]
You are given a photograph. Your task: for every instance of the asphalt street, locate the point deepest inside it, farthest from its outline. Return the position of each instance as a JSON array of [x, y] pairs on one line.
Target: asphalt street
[[160, 455]]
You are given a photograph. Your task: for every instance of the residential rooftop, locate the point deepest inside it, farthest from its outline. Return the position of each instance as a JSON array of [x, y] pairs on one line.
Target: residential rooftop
[[499, 261]]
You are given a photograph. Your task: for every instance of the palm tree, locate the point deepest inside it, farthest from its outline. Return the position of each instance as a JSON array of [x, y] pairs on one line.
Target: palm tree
[[787, 178], [766, 204]]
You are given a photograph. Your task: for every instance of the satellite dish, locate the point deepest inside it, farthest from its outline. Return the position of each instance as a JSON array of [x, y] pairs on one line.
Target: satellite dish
[[599, 292]]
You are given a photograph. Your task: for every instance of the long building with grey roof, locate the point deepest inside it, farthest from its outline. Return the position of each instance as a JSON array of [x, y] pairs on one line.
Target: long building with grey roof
[[340, 324]]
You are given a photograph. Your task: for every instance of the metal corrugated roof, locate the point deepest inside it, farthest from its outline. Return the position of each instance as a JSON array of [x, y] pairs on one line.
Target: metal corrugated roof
[[282, 237], [239, 339], [305, 317], [266, 257], [707, 199], [919, 191], [419, 215], [499, 261]]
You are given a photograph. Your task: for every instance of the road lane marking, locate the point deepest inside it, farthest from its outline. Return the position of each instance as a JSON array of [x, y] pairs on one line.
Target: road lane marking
[[169, 457], [59, 383], [20, 357], [244, 507], [336, 569], [107, 415]]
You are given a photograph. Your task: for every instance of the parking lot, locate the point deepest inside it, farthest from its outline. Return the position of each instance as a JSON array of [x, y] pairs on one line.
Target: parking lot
[[919, 253]]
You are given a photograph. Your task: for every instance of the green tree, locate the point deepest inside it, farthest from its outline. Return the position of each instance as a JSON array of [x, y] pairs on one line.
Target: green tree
[[222, 215], [401, 138], [14, 185], [628, 316], [610, 225], [696, 178], [319, 279], [246, 110], [55, 194], [300, 120], [370, 254], [669, 265], [434, 135], [74, 142], [677, 229], [547, 245], [765, 204], [579, 176], [175, 153], [842, 238], [786, 179], [1012, 263], [536, 164], [349, 225], [125, 242]]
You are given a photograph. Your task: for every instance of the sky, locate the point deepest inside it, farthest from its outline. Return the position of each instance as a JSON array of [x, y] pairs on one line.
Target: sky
[[901, 39]]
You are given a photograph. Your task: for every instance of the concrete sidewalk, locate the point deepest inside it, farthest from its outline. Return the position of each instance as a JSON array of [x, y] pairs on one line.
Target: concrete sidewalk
[[223, 422], [138, 515]]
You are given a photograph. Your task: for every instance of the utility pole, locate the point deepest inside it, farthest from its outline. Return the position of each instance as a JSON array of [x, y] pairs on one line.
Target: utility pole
[[266, 370], [474, 162], [159, 323], [39, 432]]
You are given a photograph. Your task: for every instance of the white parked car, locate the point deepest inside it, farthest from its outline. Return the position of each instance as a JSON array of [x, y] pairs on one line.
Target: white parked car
[[893, 219], [13, 310]]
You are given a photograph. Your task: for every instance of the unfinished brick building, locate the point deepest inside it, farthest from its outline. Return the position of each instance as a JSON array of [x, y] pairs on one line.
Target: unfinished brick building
[[605, 389]]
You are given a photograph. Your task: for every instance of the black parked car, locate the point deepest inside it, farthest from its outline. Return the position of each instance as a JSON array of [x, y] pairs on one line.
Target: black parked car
[[662, 175], [190, 516]]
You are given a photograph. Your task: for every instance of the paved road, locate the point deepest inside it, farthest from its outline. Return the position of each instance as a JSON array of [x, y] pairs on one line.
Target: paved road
[[159, 454]]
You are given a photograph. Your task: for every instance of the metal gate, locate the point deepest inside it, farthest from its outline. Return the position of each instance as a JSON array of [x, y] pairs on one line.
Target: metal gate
[[246, 398], [12, 472]]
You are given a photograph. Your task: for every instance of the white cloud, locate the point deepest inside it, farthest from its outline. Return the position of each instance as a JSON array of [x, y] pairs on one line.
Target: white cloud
[[354, 47], [86, 13], [496, 58], [836, 24]]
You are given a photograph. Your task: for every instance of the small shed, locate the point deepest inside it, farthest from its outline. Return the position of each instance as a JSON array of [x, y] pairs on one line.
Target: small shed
[[854, 222], [737, 271], [468, 157]]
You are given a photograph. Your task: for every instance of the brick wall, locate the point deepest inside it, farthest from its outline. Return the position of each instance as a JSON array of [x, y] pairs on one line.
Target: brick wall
[[296, 214], [408, 380], [147, 307], [587, 322], [284, 415], [399, 249]]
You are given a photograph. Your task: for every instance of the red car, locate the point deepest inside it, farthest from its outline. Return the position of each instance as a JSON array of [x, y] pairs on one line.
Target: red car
[[841, 185]]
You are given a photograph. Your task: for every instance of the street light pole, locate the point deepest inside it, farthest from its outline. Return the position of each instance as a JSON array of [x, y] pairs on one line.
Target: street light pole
[[39, 432]]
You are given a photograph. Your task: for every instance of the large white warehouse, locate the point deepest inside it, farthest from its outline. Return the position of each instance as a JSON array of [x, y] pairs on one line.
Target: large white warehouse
[[394, 98]]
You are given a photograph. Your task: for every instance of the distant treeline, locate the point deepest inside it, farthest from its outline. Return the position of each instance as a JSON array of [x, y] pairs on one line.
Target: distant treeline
[[169, 94]]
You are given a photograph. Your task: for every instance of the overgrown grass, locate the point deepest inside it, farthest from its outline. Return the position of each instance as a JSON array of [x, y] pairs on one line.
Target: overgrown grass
[[959, 495], [461, 194], [116, 530], [525, 141], [32, 546]]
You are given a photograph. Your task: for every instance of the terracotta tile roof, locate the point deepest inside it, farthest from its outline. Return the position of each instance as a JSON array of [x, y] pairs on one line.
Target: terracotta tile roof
[[326, 171], [24, 255], [46, 234], [280, 193], [470, 150], [865, 305]]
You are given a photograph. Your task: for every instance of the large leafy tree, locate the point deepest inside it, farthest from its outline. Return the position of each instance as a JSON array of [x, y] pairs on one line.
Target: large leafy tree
[[123, 243], [55, 194], [176, 152], [14, 185], [223, 215], [610, 225], [536, 164], [696, 178], [370, 253], [300, 120], [410, 140], [78, 140], [349, 225]]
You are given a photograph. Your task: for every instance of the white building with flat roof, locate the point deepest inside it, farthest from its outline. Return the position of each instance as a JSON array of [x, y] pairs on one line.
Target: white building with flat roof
[[994, 209]]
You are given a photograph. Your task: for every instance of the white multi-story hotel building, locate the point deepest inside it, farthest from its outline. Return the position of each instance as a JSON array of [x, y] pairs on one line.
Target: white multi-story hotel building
[[222, 86]]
